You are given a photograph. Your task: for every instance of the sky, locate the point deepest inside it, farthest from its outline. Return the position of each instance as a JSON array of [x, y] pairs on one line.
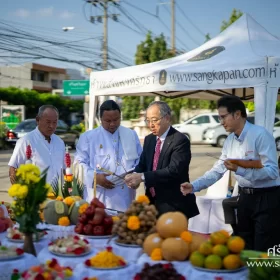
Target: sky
[[194, 18]]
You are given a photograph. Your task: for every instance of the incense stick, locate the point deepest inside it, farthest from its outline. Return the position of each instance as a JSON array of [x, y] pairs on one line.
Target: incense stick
[[210, 155]]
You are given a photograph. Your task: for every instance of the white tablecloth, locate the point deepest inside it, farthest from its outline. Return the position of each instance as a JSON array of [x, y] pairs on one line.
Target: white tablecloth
[[99, 244], [39, 245], [126, 273], [22, 264], [55, 231], [130, 254]]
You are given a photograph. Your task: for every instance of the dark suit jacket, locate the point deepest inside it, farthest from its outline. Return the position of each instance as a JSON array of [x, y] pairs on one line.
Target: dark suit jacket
[[172, 170]]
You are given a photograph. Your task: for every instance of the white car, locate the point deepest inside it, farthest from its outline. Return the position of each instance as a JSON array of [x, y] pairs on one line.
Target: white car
[[217, 135], [193, 128]]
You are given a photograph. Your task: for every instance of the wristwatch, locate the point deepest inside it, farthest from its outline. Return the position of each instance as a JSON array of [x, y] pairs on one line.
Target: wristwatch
[[143, 177]]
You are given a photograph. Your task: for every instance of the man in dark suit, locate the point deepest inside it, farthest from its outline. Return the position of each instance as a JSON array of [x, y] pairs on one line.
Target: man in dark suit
[[164, 164]]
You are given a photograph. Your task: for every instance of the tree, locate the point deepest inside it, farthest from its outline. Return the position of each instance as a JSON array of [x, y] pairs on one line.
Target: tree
[[235, 15]]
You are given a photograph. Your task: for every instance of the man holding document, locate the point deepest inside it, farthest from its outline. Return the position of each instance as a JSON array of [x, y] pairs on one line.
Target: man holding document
[[110, 149]]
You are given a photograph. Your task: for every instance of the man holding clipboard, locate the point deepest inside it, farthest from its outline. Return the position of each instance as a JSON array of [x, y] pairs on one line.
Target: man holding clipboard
[[113, 150]]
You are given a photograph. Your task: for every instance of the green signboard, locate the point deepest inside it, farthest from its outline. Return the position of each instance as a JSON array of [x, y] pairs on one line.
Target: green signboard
[[75, 87]]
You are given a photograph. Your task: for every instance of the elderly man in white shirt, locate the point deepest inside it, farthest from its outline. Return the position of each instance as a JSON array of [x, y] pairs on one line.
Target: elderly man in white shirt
[[114, 148], [259, 189], [48, 150]]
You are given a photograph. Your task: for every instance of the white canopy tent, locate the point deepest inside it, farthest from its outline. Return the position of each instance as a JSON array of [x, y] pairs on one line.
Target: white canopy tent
[[243, 60]]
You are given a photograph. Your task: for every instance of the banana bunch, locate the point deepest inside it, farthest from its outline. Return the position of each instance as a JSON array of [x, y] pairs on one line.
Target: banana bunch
[[260, 265]]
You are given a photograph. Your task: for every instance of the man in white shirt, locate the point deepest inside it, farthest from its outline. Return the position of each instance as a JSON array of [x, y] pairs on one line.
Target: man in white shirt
[[259, 189], [114, 148], [48, 150]]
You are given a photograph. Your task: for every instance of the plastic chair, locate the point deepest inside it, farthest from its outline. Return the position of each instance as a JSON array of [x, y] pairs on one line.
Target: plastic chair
[[216, 192]]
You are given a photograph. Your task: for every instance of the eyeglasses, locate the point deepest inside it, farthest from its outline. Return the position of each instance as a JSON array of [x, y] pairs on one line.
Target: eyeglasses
[[222, 118], [153, 121]]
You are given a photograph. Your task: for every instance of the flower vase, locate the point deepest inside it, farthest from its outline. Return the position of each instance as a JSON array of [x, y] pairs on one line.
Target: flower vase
[[28, 246]]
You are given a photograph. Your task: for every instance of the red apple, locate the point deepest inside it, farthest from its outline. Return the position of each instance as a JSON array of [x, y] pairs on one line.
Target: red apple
[[90, 211], [79, 228], [88, 229], [83, 218]]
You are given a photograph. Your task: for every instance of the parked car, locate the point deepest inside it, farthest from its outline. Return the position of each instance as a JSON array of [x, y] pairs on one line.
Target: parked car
[[217, 135], [70, 137], [193, 128]]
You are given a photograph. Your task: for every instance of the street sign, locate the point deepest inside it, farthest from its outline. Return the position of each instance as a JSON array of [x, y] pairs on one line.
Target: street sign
[[75, 87]]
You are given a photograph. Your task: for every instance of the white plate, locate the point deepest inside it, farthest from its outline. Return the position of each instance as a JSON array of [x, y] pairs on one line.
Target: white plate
[[95, 236], [10, 258], [220, 270], [128, 245], [71, 255], [22, 240], [107, 268]]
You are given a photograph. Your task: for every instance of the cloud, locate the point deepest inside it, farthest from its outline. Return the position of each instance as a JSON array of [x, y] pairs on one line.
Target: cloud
[[66, 15], [45, 12], [22, 13]]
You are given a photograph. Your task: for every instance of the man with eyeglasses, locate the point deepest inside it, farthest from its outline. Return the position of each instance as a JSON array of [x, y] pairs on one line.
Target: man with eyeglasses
[[111, 147], [259, 189], [164, 163]]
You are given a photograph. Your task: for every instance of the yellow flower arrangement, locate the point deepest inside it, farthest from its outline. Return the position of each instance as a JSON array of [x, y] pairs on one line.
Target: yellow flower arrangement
[[69, 200], [156, 254], [133, 223], [68, 178], [64, 221], [186, 236], [29, 173], [143, 198], [28, 193], [83, 208]]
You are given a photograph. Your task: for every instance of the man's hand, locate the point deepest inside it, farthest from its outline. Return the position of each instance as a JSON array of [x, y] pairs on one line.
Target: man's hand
[[186, 188], [133, 180], [102, 181], [230, 166], [12, 175]]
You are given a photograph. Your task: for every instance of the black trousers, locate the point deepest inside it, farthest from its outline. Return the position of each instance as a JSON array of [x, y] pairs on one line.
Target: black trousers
[[258, 219]]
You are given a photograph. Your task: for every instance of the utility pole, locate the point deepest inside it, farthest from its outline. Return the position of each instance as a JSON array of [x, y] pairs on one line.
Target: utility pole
[[173, 26], [104, 18]]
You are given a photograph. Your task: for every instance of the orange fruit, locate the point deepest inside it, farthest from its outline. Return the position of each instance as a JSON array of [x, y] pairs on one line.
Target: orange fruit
[[205, 248], [218, 238], [213, 262], [231, 261], [197, 259], [220, 250], [236, 244], [224, 232]]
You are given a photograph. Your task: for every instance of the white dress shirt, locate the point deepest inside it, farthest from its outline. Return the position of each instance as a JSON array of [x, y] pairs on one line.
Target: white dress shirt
[[255, 142], [100, 147], [44, 154]]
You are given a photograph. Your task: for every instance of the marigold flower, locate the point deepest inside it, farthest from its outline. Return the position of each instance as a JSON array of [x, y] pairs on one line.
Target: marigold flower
[[186, 236], [156, 254], [143, 198], [133, 223], [68, 178], [83, 208], [59, 198], [64, 221], [69, 200]]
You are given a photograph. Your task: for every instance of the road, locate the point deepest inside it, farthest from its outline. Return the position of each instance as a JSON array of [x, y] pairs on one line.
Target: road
[[199, 164]]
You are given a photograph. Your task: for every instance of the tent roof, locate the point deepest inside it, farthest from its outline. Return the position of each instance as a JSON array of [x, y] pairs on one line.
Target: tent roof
[[234, 62]]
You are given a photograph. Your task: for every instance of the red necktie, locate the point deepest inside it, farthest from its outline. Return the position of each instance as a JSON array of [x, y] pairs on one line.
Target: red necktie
[[155, 163]]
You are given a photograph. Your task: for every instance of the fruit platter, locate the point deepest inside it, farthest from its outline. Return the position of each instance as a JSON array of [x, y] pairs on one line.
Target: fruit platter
[[94, 222], [71, 246], [14, 235], [10, 253], [51, 270], [136, 223], [106, 260]]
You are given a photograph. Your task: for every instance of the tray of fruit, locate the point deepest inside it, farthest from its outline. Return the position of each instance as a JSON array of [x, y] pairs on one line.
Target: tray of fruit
[[106, 260], [71, 246], [94, 222], [14, 235], [10, 253], [221, 253]]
